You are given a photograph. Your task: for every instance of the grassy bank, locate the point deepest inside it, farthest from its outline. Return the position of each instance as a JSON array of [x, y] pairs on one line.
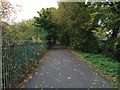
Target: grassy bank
[[104, 66]]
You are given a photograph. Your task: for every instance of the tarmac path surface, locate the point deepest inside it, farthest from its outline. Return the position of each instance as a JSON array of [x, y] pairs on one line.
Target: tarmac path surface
[[62, 69]]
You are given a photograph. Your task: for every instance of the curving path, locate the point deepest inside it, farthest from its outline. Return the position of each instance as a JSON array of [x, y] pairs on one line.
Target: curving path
[[62, 69]]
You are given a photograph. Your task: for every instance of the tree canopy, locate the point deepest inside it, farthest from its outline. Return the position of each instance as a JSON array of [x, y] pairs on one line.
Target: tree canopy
[[44, 21], [92, 27]]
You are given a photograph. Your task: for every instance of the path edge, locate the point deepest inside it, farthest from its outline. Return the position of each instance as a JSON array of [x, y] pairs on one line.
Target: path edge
[[99, 72]]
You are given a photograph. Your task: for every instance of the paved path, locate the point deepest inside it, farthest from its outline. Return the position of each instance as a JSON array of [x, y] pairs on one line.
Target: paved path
[[62, 69]]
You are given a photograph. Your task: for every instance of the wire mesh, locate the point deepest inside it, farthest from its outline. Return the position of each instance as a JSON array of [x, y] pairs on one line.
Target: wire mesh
[[18, 61]]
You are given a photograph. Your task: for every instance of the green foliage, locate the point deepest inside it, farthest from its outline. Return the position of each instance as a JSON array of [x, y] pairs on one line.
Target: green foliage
[[19, 61], [44, 21], [92, 28], [25, 30], [64, 37], [8, 34], [90, 46], [109, 66], [20, 54], [112, 48], [105, 24], [21, 32], [71, 19], [105, 15]]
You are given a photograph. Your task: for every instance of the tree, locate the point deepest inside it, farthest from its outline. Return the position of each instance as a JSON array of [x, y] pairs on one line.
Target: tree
[[7, 14], [73, 18], [105, 24], [7, 11], [105, 16], [44, 21]]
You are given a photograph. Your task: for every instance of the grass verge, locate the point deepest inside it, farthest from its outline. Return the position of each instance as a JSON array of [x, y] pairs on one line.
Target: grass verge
[[103, 65]]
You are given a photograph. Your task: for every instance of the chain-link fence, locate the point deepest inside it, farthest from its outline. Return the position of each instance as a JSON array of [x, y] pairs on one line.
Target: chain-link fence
[[18, 61]]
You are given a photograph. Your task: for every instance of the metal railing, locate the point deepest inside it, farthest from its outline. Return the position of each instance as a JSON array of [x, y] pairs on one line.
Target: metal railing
[[18, 61]]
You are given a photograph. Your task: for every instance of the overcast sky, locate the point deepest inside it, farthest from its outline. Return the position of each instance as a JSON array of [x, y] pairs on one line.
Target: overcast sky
[[30, 7]]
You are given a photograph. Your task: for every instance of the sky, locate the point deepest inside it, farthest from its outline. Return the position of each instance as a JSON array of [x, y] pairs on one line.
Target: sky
[[29, 8]]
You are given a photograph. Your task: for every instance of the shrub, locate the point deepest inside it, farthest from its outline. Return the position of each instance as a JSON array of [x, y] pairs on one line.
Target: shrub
[[111, 48]]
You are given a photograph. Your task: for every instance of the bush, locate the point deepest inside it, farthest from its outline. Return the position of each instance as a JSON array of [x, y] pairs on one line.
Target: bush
[[90, 45], [102, 62], [111, 48]]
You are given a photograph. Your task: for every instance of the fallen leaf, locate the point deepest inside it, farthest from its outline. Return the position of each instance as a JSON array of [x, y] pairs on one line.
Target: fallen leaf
[[30, 76], [75, 69], [93, 83], [82, 73], [68, 78], [47, 72]]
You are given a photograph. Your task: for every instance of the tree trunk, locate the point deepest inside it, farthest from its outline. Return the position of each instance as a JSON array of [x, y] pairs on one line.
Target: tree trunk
[[71, 45], [115, 32]]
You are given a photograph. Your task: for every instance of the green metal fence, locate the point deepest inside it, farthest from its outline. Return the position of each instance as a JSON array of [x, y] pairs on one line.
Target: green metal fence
[[18, 62]]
